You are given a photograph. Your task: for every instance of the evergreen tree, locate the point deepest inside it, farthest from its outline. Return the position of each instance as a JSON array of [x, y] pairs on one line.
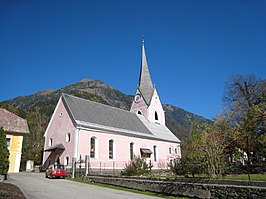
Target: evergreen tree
[[4, 153]]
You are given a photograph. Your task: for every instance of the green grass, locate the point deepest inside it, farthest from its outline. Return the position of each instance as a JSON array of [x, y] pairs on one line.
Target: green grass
[[260, 177], [127, 189], [245, 177]]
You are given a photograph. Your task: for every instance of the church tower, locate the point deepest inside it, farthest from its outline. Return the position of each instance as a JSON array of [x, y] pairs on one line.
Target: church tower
[[146, 101]]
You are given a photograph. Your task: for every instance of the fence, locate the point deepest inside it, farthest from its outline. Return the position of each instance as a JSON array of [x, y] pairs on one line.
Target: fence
[[86, 167]]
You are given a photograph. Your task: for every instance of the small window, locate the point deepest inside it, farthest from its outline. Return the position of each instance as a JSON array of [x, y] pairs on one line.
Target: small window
[[67, 160], [60, 115], [171, 162], [92, 149], [175, 150], [111, 149], [156, 115], [170, 150], [68, 137], [8, 140], [155, 153], [139, 112], [51, 142], [131, 149]]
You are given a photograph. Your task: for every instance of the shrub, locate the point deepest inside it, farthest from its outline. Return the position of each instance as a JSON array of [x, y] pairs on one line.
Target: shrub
[[4, 153], [186, 166], [136, 167]]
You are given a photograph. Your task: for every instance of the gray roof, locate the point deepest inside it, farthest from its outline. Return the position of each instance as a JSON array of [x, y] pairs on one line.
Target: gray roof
[[13, 123], [145, 84], [93, 114]]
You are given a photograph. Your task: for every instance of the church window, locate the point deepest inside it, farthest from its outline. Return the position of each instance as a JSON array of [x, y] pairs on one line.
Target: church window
[[93, 147], [155, 153], [111, 149], [156, 116], [131, 150], [51, 142], [67, 160], [68, 137], [170, 150]]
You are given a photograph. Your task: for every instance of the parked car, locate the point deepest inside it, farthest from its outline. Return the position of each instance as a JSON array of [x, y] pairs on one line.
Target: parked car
[[55, 171]]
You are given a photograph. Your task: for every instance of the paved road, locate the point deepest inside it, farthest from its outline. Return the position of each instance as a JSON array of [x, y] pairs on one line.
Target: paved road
[[36, 186]]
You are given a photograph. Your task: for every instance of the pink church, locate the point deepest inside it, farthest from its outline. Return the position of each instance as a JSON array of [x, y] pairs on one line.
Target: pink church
[[109, 136]]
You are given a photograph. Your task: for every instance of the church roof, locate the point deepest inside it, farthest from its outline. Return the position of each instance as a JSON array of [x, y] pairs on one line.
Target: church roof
[[87, 113], [12, 123], [145, 84]]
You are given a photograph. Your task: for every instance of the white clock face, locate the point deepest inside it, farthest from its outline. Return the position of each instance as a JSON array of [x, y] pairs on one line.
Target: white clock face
[[137, 98]]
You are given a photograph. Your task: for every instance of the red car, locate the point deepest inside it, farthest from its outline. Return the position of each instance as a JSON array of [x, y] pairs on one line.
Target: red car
[[55, 171]]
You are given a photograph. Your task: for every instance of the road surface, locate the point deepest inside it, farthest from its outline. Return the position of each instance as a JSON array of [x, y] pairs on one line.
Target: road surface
[[36, 186]]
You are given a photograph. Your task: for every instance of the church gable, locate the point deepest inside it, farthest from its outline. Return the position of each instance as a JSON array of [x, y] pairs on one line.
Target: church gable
[[139, 105], [156, 110]]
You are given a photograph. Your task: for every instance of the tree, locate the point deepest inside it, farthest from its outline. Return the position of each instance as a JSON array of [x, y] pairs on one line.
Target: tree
[[33, 144], [203, 152], [4, 153], [245, 113]]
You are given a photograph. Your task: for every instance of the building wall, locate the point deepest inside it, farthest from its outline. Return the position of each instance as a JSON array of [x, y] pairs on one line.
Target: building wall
[[14, 152], [122, 149], [58, 127]]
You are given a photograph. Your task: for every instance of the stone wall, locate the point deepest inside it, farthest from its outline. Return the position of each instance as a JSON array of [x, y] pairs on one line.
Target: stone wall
[[190, 187]]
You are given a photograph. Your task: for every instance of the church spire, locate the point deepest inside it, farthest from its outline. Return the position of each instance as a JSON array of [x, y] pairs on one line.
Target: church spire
[[145, 84]]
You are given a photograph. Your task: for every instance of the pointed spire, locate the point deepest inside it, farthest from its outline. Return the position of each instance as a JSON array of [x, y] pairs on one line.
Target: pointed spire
[[145, 84]]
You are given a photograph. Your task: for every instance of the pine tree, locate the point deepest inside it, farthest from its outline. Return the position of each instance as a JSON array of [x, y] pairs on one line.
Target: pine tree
[[4, 153]]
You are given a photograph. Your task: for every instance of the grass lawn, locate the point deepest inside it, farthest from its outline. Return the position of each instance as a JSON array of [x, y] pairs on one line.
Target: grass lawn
[[259, 177], [245, 177], [129, 190]]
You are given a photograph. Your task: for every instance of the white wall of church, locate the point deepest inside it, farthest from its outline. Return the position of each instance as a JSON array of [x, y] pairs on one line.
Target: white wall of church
[[165, 151], [59, 126]]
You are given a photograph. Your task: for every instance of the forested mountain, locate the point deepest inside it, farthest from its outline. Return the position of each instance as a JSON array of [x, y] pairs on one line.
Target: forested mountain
[[38, 108]]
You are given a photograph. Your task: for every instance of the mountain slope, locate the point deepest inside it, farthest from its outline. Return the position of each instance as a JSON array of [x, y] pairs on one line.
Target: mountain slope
[[177, 120]]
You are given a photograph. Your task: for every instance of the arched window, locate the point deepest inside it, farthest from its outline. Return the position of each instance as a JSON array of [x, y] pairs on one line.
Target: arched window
[[131, 150], [111, 149], [156, 115], [66, 160], [68, 137], [93, 147], [139, 112], [155, 153], [51, 142]]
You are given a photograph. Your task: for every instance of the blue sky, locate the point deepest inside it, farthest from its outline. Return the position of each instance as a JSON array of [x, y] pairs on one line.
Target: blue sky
[[193, 46]]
